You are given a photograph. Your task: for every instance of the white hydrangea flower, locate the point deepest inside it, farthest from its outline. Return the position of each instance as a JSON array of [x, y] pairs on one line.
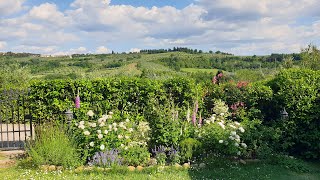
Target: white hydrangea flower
[[237, 136], [99, 131], [127, 137], [220, 141], [237, 123], [87, 133], [91, 144], [233, 133], [236, 144], [90, 113], [232, 126], [130, 130], [110, 127], [241, 129], [115, 129], [120, 136], [114, 124], [238, 140], [93, 125], [127, 120], [102, 124], [111, 113], [81, 122], [231, 138], [81, 126], [100, 136], [102, 147], [106, 131], [222, 125], [244, 145], [238, 153]]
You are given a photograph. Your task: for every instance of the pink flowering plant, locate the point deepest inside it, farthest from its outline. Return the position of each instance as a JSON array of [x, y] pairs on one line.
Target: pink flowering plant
[[103, 134], [221, 135]]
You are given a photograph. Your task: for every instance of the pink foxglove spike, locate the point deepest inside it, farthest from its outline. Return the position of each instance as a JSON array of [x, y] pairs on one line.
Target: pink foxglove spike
[[77, 101]]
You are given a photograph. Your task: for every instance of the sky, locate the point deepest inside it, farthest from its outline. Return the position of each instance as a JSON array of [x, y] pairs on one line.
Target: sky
[[241, 27]]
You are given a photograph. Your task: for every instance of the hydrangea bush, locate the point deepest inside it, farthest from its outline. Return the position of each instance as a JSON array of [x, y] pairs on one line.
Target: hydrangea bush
[[221, 135], [105, 134]]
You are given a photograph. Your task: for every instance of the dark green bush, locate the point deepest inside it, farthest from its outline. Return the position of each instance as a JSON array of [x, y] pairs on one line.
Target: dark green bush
[[299, 92]]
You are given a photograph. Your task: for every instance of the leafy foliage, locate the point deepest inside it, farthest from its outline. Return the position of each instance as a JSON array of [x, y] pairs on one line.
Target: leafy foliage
[[52, 146], [299, 92]]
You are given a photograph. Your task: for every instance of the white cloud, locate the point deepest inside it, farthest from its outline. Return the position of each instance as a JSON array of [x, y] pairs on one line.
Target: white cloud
[[3, 44], [8, 7], [102, 50], [262, 27], [135, 50], [80, 50], [48, 13], [35, 49]]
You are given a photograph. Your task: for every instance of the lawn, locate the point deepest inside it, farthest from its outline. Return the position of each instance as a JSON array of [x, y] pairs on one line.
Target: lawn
[[220, 170]]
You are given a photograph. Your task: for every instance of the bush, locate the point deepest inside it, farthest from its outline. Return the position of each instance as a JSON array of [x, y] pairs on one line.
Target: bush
[[52, 146], [299, 92], [94, 136], [189, 148], [136, 156], [220, 135]]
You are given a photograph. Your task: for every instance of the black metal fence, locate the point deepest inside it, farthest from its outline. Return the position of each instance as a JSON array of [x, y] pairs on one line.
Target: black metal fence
[[15, 120]]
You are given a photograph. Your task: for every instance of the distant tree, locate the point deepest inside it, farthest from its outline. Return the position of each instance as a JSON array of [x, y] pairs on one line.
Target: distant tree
[[311, 57], [210, 52]]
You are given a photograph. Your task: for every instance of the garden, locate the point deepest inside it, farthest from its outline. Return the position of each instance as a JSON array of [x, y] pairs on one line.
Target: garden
[[138, 128]]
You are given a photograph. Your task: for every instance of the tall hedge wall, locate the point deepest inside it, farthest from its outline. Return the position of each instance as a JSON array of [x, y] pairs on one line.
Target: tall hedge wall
[[50, 99]]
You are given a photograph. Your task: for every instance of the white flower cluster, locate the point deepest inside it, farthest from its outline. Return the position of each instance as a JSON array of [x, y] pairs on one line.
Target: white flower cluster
[[220, 108], [125, 133]]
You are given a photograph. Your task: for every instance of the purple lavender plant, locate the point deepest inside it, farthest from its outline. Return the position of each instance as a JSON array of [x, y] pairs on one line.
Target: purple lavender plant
[[173, 155], [160, 154], [106, 159]]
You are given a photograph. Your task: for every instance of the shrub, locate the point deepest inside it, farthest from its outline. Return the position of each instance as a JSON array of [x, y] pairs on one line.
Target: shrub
[[136, 156], [103, 134], [220, 135], [52, 146], [189, 148], [299, 92]]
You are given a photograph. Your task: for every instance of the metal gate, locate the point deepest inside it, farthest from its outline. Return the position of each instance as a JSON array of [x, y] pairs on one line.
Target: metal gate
[[15, 120]]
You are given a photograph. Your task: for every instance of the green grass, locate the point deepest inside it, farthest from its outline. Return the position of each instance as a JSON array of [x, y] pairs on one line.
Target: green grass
[[194, 70], [218, 170]]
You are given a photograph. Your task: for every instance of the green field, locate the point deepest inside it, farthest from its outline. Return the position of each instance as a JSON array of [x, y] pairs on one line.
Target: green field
[[194, 70]]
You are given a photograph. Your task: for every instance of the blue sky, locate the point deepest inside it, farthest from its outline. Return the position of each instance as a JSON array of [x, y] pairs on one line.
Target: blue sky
[[243, 27]]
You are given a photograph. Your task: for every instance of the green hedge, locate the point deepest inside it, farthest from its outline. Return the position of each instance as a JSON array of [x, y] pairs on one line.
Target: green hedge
[[153, 100], [50, 99], [299, 92]]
